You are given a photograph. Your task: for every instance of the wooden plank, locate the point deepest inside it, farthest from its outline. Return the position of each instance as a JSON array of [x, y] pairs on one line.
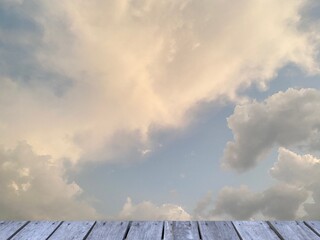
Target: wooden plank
[[150, 230], [108, 230], [314, 225], [9, 228], [181, 230], [255, 230], [72, 230], [217, 230], [292, 230], [37, 230], [168, 230]]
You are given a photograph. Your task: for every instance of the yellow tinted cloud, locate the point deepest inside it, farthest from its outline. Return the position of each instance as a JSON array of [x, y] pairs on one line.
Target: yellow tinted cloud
[[142, 62]]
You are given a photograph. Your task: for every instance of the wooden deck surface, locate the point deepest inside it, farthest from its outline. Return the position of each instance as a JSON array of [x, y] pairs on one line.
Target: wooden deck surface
[[157, 230]]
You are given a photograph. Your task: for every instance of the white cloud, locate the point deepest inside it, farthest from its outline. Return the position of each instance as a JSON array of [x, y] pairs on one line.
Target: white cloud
[[91, 69], [277, 202], [149, 211], [288, 118], [283, 201], [239, 203], [33, 187], [285, 119], [294, 196], [302, 171]]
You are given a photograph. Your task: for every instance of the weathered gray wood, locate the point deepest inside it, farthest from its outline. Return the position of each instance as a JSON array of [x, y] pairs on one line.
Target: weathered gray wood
[[168, 230], [8, 228], [150, 230], [217, 230], [314, 225], [181, 230], [36, 230], [255, 230], [108, 230], [72, 230], [292, 230]]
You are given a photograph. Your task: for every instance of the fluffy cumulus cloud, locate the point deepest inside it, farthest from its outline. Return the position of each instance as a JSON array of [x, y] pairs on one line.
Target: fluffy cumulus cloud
[[33, 187], [302, 171], [279, 202], [290, 118], [240, 203], [149, 211], [294, 196], [75, 74], [285, 119]]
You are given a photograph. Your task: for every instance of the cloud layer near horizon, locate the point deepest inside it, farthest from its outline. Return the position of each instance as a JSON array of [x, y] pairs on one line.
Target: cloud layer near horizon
[[35, 187], [147, 210], [295, 195]]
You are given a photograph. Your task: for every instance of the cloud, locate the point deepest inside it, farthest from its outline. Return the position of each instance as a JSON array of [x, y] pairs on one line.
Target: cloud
[[283, 201], [295, 195], [239, 203], [289, 118], [302, 171], [33, 187], [278, 202], [74, 75], [200, 211], [149, 211], [285, 119]]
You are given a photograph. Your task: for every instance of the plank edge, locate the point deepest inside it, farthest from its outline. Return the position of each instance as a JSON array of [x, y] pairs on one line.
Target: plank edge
[[55, 229], [311, 228], [16, 232], [88, 233], [273, 228]]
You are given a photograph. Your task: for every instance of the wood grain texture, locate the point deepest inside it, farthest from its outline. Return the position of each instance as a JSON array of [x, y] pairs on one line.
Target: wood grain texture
[[108, 230], [221, 230], [314, 225], [8, 228], [292, 230], [72, 230], [150, 230], [37, 230], [157, 230], [181, 230], [255, 230]]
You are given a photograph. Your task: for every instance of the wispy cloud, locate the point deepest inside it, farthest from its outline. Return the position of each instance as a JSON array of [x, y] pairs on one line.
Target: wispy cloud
[[87, 70]]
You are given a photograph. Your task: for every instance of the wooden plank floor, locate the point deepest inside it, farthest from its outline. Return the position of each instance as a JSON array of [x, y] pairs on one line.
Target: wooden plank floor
[[160, 230]]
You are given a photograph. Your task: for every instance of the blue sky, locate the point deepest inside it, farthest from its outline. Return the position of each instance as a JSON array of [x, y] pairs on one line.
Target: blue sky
[[187, 165], [159, 110]]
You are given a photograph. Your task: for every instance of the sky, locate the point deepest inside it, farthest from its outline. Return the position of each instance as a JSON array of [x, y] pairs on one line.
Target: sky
[[145, 109]]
